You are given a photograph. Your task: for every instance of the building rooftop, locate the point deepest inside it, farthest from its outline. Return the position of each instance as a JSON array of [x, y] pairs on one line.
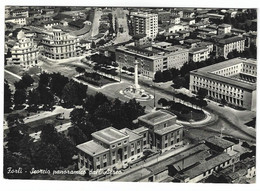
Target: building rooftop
[[140, 129], [92, 148], [109, 135], [168, 129], [208, 165], [208, 72], [222, 143], [230, 40], [156, 117], [132, 135], [198, 49], [224, 25]]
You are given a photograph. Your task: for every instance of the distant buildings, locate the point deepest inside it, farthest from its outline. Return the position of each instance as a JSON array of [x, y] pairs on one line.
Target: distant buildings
[[233, 81], [117, 148], [59, 45], [158, 57], [145, 23], [25, 53], [19, 20], [199, 54]]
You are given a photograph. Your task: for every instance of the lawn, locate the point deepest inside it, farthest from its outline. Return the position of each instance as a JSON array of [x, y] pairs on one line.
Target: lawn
[[186, 113], [97, 81]]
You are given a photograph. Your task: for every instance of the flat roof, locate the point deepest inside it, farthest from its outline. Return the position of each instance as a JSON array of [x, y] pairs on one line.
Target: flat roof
[[207, 72], [198, 49], [156, 117], [222, 143], [109, 135], [132, 135], [140, 129], [92, 148], [168, 129], [230, 40], [208, 165]]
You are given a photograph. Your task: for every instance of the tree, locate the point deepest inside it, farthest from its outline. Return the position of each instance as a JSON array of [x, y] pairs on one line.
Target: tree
[[202, 93], [80, 70], [27, 80], [8, 102], [66, 149], [49, 134], [46, 156], [14, 160], [57, 83], [14, 119], [163, 102], [167, 75], [19, 97], [158, 77], [73, 93], [76, 135], [93, 44], [34, 98]]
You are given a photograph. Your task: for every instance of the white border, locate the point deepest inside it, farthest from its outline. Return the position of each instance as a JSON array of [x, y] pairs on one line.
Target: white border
[[80, 186]]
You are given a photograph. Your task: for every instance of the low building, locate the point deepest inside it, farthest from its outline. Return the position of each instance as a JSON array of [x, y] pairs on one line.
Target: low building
[[173, 28], [227, 45], [20, 12], [233, 81], [151, 58], [175, 19], [25, 53]]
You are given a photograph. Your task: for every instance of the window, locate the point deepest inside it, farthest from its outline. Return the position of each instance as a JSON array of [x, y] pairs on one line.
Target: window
[[165, 125], [132, 145], [105, 164], [113, 153], [97, 159], [171, 142], [132, 153], [178, 132], [144, 142], [125, 156], [125, 149], [144, 135], [98, 166], [119, 144], [104, 156], [166, 145], [113, 146], [138, 150], [114, 161]]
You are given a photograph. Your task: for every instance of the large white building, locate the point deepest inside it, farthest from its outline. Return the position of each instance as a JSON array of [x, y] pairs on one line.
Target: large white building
[[232, 80], [60, 45], [158, 57], [145, 23], [25, 53]]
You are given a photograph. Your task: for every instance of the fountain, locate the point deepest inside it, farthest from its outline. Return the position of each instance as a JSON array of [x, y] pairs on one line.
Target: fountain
[[134, 91]]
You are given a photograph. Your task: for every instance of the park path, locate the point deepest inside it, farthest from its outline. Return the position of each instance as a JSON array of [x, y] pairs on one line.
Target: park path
[[13, 74]]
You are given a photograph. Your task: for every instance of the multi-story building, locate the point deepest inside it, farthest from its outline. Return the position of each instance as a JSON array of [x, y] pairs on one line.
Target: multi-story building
[[25, 53], [59, 45], [20, 12], [111, 148], [145, 23], [163, 131], [152, 58], [199, 54], [227, 45], [233, 81]]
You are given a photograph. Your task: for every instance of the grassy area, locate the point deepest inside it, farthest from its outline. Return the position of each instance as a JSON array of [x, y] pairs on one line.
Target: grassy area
[[36, 126], [185, 113], [100, 81]]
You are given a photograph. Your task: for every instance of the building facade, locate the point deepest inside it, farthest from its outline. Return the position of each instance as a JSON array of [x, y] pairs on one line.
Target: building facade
[[199, 54], [112, 148], [233, 81], [225, 46], [25, 53], [145, 23], [152, 58], [59, 45]]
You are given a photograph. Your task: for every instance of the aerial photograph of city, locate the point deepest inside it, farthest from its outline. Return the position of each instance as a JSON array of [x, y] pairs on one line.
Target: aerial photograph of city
[[130, 94]]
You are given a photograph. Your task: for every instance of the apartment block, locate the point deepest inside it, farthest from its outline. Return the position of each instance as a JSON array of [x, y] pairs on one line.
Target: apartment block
[[152, 58], [59, 45], [25, 53], [145, 23]]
